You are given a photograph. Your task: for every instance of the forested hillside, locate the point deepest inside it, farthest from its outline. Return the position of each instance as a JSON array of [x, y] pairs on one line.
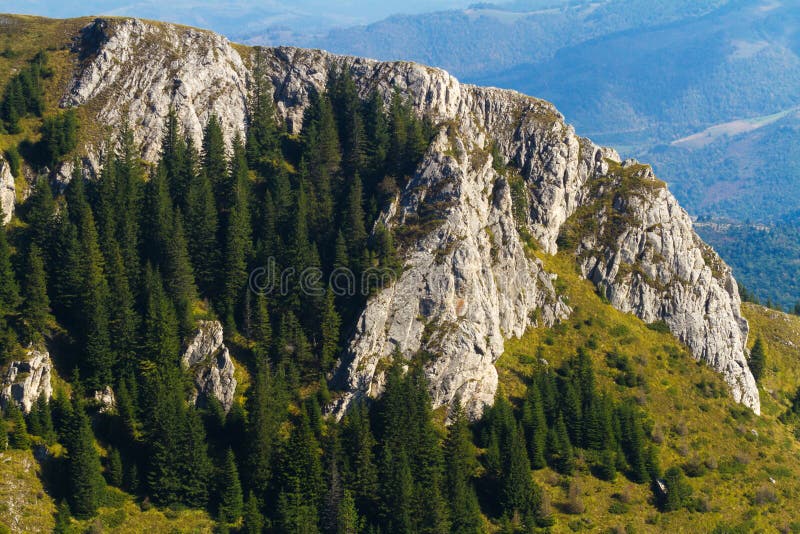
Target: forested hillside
[[600, 421]]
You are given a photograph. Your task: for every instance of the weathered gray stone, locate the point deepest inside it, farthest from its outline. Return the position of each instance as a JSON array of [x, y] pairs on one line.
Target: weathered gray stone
[[7, 191], [210, 363], [26, 380]]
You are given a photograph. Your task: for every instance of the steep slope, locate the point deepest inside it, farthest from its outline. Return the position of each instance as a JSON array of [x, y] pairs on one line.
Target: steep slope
[[503, 173]]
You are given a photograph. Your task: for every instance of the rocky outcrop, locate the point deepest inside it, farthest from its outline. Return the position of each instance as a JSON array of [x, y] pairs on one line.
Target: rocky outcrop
[[105, 400], [137, 71], [7, 191], [637, 244], [504, 174], [26, 380], [210, 363]]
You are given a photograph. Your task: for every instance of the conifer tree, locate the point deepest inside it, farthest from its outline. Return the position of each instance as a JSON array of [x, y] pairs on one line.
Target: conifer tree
[[534, 425], [114, 468], [353, 223], [41, 214], [41, 420], [253, 522], [230, 501], [360, 471], [160, 341], [262, 130], [36, 304], [201, 225], [266, 407], [86, 483], [3, 433], [9, 289], [396, 491], [757, 360], [465, 513], [18, 439], [347, 521], [331, 322], [214, 162]]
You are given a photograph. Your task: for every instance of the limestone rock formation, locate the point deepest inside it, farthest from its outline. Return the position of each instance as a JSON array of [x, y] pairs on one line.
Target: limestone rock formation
[[105, 400], [26, 380], [657, 268], [7, 191], [210, 363], [504, 174]]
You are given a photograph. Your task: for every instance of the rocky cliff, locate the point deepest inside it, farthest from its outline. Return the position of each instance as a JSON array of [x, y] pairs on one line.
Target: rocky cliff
[[27, 379], [210, 363], [7, 191], [504, 173]]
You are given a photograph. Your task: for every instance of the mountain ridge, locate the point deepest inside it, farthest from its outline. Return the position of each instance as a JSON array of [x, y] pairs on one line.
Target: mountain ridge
[[512, 166]]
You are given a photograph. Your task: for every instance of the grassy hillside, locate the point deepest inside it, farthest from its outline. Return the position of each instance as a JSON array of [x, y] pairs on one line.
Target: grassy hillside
[[695, 423]]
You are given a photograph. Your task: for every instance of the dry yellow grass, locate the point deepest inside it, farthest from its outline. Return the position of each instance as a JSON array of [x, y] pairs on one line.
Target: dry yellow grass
[[694, 422]]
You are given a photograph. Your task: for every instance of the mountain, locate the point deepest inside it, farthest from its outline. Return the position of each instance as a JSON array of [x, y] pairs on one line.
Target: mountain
[[641, 76], [500, 259]]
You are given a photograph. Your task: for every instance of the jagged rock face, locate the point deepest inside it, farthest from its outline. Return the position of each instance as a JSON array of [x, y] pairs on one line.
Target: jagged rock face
[[26, 380], [210, 363], [467, 284], [7, 191], [144, 69], [657, 268]]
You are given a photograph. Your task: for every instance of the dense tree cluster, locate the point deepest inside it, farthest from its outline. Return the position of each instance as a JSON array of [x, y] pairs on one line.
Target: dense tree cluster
[[24, 94]]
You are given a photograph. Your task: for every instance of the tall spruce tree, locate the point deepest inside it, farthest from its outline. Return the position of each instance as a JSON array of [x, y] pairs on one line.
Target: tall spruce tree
[[84, 476], [230, 499], [461, 465]]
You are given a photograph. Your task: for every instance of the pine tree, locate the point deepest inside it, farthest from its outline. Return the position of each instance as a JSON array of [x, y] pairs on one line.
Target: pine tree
[[41, 214], [461, 465], [9, 289], [262, 130], [347, 521], [353, 223], [534, 425], [41, 420], [114, 468], [678, 490], [63, 519], [360, 471], [36, 304], [3, 434], [201, 225], [396, 491], [253, 519], [331, 322], [230, 502], [214, 161], [160, 341], [85, 481], [178, 276], [559, 448], [757, 360], [633, 443], [18, 439], [266, 407], [238, 240]]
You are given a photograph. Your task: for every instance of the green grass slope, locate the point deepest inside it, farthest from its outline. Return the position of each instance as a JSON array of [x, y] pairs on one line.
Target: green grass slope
[[693, 420]]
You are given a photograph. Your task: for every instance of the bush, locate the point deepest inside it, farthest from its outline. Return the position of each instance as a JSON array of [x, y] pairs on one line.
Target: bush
[[765, 495]]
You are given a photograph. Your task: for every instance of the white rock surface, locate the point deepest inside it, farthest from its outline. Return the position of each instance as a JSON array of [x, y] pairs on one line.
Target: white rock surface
[[26, 380], [7, 191], [210, 363], [467, 277], [105, 399]]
